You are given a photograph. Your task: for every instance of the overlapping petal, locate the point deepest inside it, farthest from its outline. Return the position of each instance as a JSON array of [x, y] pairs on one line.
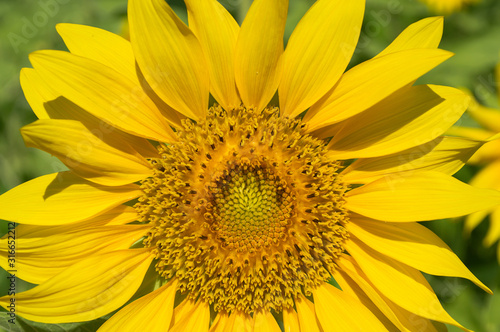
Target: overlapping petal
[[61, 198], [488, 177], [375, 80], [87, 290], [404, 320], [264, 321], [120, 215], [306, 315], [258, 65], [353, 281], [425, 33], [40, 256], [100, 45], [236, 321], [408, 118], [103, 92], [103, 159], [196, 318], [402, 197], [290, 320], [487, 117], [443, 154], [330, 28], [220, 322], [114, 52], [170, 56], [217, 32], [337, 310], [47, 103], [413, 245], [408, 288], [151, 312]]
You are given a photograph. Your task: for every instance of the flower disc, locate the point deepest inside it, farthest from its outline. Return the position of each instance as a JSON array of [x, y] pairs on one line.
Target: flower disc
[[247, 210]]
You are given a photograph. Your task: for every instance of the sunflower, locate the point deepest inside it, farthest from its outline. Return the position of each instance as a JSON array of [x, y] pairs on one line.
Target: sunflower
[[448, 6], [488, 156], [252, 217]]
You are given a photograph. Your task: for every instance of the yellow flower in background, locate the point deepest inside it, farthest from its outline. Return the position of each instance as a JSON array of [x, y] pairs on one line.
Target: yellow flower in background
[[448, 6], [487, 156], [248, 212]]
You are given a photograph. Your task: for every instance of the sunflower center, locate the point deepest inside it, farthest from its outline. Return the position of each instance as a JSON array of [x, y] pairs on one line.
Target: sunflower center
[[246, 210], [250, 208]]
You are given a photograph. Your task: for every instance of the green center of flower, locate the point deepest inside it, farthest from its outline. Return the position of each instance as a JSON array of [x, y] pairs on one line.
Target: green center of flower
[[246, 211], [251, 208]]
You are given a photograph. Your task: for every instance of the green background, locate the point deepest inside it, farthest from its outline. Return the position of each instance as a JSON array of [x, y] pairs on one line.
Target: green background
[[473, 34]]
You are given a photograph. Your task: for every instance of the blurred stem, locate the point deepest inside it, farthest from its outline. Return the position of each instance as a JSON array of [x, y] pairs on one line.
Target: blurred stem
[[243, 9]]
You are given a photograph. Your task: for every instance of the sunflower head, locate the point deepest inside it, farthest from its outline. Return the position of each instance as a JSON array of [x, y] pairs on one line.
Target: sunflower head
[[252, 209]]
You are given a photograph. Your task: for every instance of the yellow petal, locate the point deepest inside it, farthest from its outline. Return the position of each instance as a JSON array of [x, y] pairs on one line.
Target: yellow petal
[[114, 52], [220, 322], [120, 215], [407, 287], [169, 56], [488, 153], [474, 219], [306, 315], [265, 322], [197, 318], [494, 231], [318, 52], [375, 80], [151, 312], [469, 132], [443, 154], [339, 311], [87, 290], [100, 45], [413, 245], [217, 32], [351, 281], [237, 321], [405, 119], [48, 104], [328, 131], [485, 116], [103, 92], [61, 198], [30, 83], [404, 320], [182, 311], [290, 320], [258, 52], [40, 258], [488, 177], [103, 159], [418, 197], [425, 33]]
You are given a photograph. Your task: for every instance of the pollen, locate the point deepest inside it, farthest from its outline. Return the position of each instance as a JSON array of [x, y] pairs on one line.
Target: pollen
[[246, 210]]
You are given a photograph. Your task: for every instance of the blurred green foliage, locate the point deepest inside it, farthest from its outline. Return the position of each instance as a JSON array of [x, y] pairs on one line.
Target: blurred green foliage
[[473, 34]]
